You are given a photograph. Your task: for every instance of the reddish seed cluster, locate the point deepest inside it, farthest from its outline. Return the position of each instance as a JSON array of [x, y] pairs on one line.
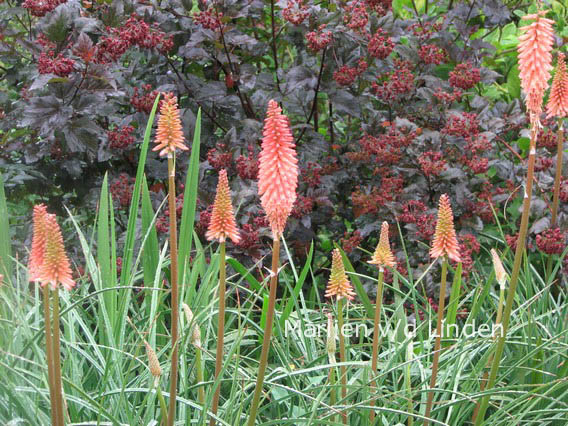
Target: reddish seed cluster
[[396, 84], [162, 224], [432, 163], [320, 39], [564, 190], [247, 166], [463, 125], [260, 221], [465, 76], [380, 7], [512, 241], [219, 158], [543, 163], [551, 241], [143, 100], [381, 45], [48, 63], [134, 32], [202, 223], [121, 190], [477, 164], [447, 97], [303, 206], [311, 175], [547, 136], [121, 138], [346, 75], [425, 30], [40, 8], [365, 202], [432, 54], [295, 12], [414, 211], [467, 247], [355, 15], [250, 238], [209, 19], [119, 265], [350, 241]]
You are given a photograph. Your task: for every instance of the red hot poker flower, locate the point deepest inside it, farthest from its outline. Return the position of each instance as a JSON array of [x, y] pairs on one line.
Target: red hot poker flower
[[38, 241], [338, 284], [278, 169], [222, 223], [445, 240], [383, 255], [55, 268], [535, 59], [169, 135], [558, 101]]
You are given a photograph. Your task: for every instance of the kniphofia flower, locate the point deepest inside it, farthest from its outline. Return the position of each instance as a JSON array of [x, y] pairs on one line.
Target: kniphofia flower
[[383, 257], [558, 100], [445, 240], [535, 59], [222, 223], [169, 135], [38, 241], [500, 273], [338, 284], [278, 169], [55, 267]]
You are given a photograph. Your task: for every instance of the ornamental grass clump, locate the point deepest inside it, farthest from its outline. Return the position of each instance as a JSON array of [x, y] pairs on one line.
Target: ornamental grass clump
[[169, 138], [339, 287], [277, 183], [445, 245], [221, 226], [535, 63], [382, 258], [49, 266]]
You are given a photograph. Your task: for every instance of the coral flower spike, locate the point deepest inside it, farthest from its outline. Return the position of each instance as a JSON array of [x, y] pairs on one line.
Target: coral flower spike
[[278, 169], [445, 240], [338, 284], [222, 224], [383, 256], [38, 242], [55, 268], [535, 59], [558, 100], [169, 135]]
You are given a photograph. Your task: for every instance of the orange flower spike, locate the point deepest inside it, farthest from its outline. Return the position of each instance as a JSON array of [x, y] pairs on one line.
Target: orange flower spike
[[535, 59], [383, 256], [278, 169], [222, 222], [338, 284], [38, 241], [169, 135], [55, 268], [445, 240], [558, 100]]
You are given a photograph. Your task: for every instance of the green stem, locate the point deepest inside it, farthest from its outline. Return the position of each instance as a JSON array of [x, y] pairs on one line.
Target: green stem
[[342, 356], [199, 374], [267, 331], [557, 179], [174, 288], [332, 394], [220, 332], [514, 276], [438, 343], [57, 361], [163, 407], [49, 354], [378, 305]]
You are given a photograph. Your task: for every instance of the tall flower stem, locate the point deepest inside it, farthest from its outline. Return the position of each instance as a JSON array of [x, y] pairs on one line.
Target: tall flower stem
[[378, 305], [174, 287], [490, 360], [514, 274], [267, 331], [49, 354], [438, 342], [220, 331], [57, 361], [557, 179], [342, 356]]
